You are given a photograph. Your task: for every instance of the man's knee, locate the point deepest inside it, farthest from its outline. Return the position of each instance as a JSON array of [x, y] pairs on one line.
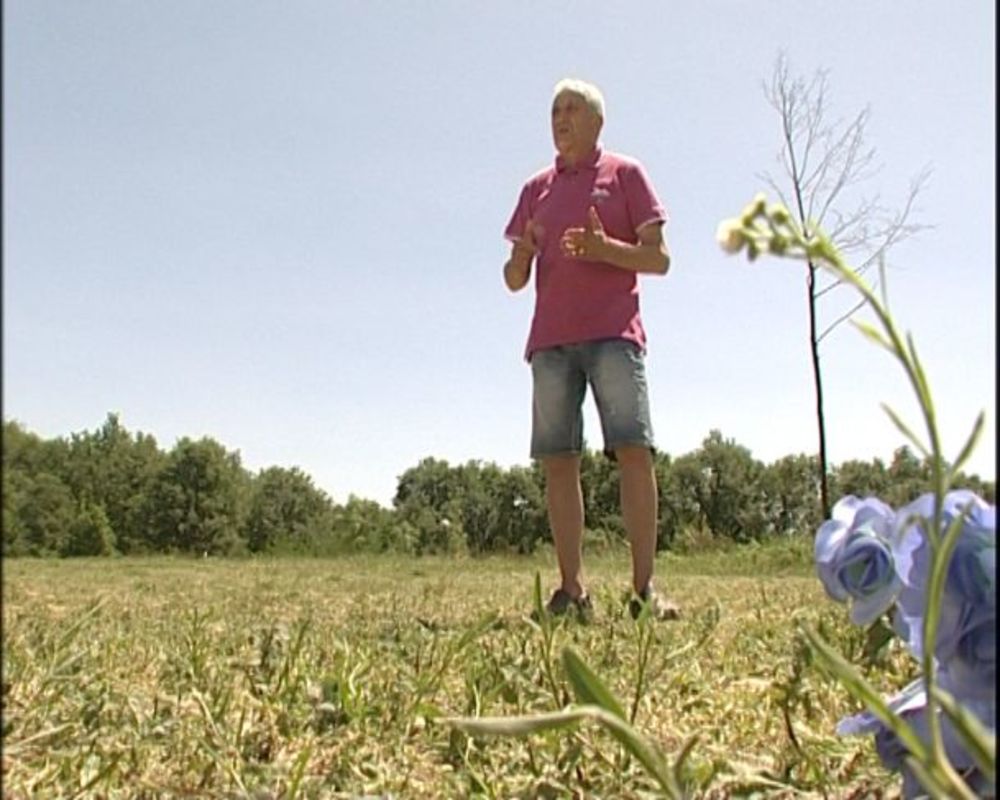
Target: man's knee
[[633, 457], [561, 466]]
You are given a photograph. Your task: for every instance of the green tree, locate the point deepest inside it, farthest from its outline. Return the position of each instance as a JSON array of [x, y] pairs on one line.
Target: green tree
[[197, 501], [682, 488], [285, 505], [361, 525], [112, 468], [601, 495], [521, 518], [90, 533], [427, 498], [37, 504], [44, 516], [15, 541], [730, 493], [685, 496], [861, 479], [791, 488], [985, 489], [28, 452], [909, 477], [474, 499]]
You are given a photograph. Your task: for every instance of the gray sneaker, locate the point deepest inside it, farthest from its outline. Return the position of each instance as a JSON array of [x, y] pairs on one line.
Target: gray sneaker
[[660, 608], [562, 602]]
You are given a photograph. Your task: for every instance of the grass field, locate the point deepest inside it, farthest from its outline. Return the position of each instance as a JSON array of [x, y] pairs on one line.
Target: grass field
[[160, 678]]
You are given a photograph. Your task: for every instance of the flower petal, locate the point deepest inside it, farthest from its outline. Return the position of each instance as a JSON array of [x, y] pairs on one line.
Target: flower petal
[[866, 610]]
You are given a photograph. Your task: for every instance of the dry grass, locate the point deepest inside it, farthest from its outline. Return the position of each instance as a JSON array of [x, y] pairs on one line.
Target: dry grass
[[326, 679]]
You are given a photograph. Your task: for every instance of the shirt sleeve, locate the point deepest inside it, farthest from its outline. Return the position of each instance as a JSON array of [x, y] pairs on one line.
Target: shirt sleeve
[[520, 217], [644, 206]]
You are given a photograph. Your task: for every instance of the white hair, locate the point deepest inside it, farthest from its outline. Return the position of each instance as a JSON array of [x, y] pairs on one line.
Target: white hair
[[590, 93]]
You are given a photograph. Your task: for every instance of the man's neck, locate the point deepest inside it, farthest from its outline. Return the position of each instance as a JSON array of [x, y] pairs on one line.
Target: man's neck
[[573, 158]]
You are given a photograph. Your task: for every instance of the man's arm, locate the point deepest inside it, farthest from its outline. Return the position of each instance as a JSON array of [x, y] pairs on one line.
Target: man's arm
[[650, 254], [517, 270]]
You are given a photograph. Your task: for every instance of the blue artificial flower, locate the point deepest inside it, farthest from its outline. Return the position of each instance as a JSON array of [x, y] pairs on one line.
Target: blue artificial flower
[[911, 704], [966, 640], [854, 558]]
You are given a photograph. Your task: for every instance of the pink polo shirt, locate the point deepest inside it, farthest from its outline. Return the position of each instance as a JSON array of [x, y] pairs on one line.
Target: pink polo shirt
[[577, 300]]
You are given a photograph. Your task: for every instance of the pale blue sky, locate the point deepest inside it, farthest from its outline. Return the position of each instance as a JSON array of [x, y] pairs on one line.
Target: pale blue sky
[[280, 224]]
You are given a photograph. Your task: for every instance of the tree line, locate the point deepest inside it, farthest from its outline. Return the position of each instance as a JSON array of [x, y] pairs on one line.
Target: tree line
[[108, 491]]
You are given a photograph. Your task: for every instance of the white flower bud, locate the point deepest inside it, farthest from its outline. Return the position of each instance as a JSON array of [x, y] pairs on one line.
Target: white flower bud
[[730, 235]]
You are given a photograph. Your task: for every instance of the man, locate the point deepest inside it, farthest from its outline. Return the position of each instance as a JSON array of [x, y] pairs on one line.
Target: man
[[591, 223]]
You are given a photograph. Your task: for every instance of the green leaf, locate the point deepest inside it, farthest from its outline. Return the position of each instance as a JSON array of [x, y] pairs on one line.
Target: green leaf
[[682, 757], [641, 749], [877, 637], [589, 688], [905, 430], [298, 770], [861, 690], [540, 617], [928, 779], [923, 387], [979, 742], [872, 333], [977, 430], [517, 726], [636, 744], [485, 623]]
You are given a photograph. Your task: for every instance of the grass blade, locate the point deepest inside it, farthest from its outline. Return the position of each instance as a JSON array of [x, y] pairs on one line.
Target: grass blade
[[589, 689], [861, 690], [298, 770], [636, 744], [517, 726]]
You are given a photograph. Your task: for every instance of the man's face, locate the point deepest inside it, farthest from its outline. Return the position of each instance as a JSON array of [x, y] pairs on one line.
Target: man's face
[[575, 125]]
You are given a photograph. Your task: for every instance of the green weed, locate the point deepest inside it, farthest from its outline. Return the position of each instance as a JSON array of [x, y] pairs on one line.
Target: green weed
[[164, 678]]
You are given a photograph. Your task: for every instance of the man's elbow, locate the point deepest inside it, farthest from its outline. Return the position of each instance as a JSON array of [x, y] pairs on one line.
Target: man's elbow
[[661, 264], [513, 280]]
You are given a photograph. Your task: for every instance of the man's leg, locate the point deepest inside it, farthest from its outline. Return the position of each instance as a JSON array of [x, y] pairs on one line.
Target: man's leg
[[637, 489], [618, 375], [564, 499], [639, 506], [556, 440]]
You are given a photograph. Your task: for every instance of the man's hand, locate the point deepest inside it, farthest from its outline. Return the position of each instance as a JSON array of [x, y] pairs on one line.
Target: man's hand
[[517, 270], [526, 247], [588, 243], [649, 254]]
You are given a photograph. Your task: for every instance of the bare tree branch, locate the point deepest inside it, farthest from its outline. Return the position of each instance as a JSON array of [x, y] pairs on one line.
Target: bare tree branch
[[822, 162], [842, 318]]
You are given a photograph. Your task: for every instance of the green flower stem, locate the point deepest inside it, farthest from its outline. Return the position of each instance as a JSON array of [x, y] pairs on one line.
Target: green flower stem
[[760, 230], [941, 550]]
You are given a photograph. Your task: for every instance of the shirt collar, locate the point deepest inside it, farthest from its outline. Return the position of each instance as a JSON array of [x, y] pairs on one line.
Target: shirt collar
[[590, 162]]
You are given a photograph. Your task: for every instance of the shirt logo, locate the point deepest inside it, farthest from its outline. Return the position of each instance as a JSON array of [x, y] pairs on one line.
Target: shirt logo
[[599, 194]]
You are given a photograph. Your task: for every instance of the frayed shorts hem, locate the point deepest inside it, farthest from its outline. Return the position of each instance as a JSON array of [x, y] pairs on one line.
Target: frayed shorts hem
[[615, 371]]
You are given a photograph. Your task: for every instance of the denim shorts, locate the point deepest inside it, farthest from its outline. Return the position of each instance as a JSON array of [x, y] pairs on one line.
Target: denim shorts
[[616, 372]]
